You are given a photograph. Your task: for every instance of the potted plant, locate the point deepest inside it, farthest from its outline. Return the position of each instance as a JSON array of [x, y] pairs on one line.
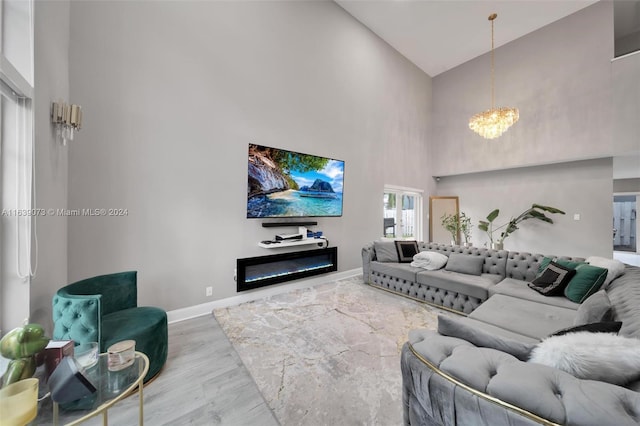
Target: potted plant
[[451, 222], [465, 228], [536, 211]]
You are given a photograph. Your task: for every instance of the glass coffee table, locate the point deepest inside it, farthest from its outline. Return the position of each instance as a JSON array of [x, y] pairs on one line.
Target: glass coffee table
[[111, 387]]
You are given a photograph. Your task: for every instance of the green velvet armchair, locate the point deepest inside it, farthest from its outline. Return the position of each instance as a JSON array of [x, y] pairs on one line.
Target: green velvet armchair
[[105, 309]]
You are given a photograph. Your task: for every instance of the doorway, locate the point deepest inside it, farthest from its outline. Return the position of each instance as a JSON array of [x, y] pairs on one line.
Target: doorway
[[625, 225], [402, 213]]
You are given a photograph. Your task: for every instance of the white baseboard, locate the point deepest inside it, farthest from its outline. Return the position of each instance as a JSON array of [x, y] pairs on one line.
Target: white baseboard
[[206, 308]]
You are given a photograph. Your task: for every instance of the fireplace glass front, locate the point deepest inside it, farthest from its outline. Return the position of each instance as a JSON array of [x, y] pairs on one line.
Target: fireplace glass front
[[255, 272]]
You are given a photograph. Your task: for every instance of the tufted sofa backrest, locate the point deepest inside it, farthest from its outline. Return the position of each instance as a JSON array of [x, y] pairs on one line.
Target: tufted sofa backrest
[[624, 294], [495, 261], [524, 266]]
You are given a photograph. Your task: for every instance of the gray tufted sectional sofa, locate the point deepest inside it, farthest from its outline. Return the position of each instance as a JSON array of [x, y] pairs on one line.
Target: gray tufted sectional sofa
[[451, 290], [451, 381]]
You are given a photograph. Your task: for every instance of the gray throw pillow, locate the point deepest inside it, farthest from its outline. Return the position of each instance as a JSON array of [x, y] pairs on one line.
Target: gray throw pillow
[[455, 328], [596, 308], [385, 251], [465, 264]]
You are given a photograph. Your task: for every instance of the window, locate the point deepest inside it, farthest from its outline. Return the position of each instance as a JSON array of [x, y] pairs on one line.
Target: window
[[16, 160], [402, 213]]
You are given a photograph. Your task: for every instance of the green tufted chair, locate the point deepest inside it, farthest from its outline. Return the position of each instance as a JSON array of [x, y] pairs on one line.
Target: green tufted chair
[[105, 309]]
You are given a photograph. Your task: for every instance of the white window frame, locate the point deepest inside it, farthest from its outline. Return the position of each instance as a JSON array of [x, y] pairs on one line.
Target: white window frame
[[399, 191], [17, 168]]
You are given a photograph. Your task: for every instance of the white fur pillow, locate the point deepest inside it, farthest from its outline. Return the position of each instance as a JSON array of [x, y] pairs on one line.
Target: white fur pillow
[[429, 260], [614, 267], [595, 356]]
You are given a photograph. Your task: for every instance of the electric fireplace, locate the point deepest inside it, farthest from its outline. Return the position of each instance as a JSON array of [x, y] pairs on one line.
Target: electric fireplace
[[255, 272]]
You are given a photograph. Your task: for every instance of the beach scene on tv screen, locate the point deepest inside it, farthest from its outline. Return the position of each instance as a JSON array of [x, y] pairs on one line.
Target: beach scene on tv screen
[[283, 183]]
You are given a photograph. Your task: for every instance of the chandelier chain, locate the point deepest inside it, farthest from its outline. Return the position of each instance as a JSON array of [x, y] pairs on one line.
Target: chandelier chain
[[493, 85]]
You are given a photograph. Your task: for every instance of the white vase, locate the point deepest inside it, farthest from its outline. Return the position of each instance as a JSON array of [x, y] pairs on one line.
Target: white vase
[[497, 246], [467, 244]]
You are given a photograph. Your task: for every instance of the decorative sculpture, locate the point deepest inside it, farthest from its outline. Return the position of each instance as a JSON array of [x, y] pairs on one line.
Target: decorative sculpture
[[21, 345]]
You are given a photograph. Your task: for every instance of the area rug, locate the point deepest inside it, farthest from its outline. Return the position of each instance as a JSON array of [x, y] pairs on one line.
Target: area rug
[[329, 354]]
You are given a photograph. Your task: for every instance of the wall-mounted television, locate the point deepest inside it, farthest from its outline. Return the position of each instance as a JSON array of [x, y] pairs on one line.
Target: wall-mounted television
[[284, 183]]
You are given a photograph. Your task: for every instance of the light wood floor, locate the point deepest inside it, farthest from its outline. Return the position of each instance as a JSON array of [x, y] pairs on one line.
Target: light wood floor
[[203, 383]]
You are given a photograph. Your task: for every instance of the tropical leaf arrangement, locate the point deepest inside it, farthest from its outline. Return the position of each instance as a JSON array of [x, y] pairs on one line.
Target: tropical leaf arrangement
[[455, 225], [536, 211]]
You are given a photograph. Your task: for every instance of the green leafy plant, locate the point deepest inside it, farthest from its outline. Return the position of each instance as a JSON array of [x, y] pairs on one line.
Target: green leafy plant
[[536, 211], [451, 222], [465, 227]]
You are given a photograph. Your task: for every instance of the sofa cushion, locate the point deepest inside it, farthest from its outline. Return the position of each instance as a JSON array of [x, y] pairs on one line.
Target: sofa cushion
[[465, 264], [596, 308], [406, 250], [519, 289], [403, 271], [385, 251], [470, 285], [614, 267], [147, 326], [467, 330], [585, 282], [523, 316], [552, 280], [593, 356]]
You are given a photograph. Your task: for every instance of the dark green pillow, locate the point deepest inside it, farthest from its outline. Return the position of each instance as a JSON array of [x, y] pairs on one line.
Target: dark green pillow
[[543, 264], [566, 263], [585, 282]]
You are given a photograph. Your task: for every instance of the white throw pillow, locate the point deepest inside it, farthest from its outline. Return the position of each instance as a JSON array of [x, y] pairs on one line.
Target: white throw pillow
[[429, 260], [615, 267], [606, 357]]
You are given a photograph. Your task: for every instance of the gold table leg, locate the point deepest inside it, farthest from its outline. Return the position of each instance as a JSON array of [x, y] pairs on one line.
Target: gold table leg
[[141, 411]]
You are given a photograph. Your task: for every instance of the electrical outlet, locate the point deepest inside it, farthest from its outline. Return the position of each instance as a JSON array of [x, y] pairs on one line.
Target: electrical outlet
[[209, 291]]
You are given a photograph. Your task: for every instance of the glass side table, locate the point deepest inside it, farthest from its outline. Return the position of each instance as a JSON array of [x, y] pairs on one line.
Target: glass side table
[[111, 387]]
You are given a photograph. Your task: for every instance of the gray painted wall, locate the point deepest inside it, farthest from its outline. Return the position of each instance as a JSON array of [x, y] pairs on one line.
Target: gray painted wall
[[626, 185], [173, 92], [560, 79], [573, 187], [52, 83], [626, 108]]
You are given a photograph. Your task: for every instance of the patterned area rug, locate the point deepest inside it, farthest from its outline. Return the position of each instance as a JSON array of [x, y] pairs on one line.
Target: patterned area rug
[[330, 354]]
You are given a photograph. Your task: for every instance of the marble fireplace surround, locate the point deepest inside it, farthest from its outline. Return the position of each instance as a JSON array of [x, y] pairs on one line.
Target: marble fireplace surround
[[328, 354]]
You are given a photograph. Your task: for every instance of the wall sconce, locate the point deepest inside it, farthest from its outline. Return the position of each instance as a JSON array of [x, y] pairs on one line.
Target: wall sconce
[[67, 119]]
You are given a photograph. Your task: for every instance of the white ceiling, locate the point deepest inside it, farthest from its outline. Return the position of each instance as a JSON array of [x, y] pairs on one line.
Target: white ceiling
[[438, 35]]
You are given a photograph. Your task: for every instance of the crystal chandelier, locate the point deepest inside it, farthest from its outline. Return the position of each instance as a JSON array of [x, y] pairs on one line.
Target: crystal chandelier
[[493, 122]]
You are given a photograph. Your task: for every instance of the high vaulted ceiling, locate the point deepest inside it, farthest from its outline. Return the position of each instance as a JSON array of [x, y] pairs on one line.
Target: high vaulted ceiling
[[438, 35]]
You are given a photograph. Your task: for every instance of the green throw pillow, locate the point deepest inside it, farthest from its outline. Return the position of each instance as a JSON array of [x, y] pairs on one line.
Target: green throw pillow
[[585, 282], [569, 263], [566, 263], [543, 264]]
